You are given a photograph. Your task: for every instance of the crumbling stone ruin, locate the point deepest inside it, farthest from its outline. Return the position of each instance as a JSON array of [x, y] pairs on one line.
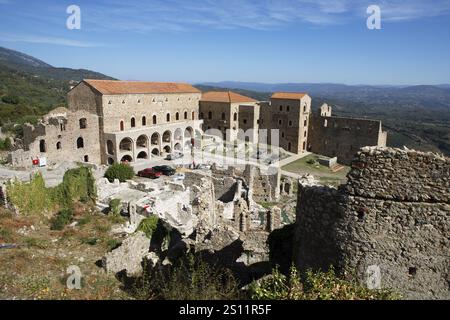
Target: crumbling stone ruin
[[62, 135], [389, 223], [342, 137], [213, 213]]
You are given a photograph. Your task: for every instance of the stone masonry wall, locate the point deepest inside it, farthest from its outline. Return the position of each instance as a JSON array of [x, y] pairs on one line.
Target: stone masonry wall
[[392, 215], [343, 137]]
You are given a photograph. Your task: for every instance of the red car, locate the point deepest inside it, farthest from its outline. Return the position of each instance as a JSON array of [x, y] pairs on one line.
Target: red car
[[149, 173]]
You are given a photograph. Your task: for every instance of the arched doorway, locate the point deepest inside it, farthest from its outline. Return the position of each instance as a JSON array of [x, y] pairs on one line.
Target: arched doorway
[[127, 158], [155, 139], [110, 161], [142, 155], [167, 149], [178, 135], [155, 152], [178, 147], [167, 136], [142, 141], [126, 144], [189, 133]]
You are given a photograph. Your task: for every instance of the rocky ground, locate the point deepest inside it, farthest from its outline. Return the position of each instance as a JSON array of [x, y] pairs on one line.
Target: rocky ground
[[36, 266]]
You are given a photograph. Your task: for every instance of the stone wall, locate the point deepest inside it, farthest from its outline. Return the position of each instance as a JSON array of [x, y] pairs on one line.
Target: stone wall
[[392, 215], [343, 137], [59, 137]]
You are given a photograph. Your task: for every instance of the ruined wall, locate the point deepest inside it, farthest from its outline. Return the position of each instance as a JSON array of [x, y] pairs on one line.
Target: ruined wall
[[263, 186], [392, 214], [59, 137], [343, 137]]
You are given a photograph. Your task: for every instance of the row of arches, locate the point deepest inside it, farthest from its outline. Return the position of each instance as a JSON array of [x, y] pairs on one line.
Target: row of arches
[[154, 145], [154, 119]]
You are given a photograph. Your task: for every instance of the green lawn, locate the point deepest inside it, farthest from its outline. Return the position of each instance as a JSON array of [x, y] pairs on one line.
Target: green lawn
[[309, 164]]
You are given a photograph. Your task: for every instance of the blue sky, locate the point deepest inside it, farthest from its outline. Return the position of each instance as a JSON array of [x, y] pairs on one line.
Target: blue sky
[[243, 40]]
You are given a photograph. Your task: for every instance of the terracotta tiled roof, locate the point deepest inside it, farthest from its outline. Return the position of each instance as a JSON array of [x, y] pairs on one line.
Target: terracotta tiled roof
[[288, 95], [225, 96], [137, 87]]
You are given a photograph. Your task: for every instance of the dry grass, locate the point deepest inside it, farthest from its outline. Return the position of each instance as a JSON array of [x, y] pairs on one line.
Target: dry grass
[[37, 268]]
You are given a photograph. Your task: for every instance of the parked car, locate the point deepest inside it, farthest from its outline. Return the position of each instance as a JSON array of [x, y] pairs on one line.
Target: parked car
[[149, 173], [165, 170], [174, 155]]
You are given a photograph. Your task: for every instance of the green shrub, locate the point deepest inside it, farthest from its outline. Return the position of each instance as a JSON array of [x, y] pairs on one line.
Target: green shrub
[[89, 241], [115, 206], [148, 225], [189, 279], [315, 286], [5, 144], [63, 218], [35, 198], [113, 244], [10, 99], [120, 171]]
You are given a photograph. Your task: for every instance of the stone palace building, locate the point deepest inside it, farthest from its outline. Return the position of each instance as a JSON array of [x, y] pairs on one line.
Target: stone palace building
[[110, 121]]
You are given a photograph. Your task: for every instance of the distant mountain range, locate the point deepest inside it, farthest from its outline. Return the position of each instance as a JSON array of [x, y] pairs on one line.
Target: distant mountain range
[[30, 87], [428, 96], [19, 61]]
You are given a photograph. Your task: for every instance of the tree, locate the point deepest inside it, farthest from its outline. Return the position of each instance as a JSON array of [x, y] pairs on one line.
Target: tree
[[120, 171]]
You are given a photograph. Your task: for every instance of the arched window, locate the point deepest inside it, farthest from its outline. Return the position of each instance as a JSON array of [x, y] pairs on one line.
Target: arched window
[[122, 126], [304, 108], [209, 115], [144, 121], [154, 119], [177, 116], [83, 123], [193, 115], [235, 116], [185, 115], [168, 117], [325, 123], [58, 145], [86, 158], [223, 115], [289, 146], [133, 122], [281, 108], [42, 146], [80, 143]]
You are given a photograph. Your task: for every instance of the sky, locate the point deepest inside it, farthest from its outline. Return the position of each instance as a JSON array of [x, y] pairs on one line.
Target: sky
[[274, 41]]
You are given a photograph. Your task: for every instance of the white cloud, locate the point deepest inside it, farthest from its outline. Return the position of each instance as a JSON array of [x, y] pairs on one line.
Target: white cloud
[[48, 40], [183, 15]]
